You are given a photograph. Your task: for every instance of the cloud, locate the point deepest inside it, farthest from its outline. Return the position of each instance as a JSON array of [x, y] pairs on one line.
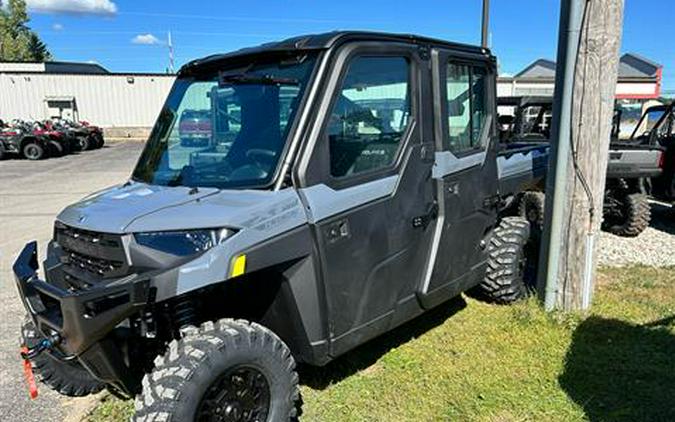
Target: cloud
[[78, 7], [145, 39], [57, 27]]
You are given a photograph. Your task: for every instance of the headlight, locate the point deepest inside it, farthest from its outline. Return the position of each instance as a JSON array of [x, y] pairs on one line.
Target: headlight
[[183, 242]]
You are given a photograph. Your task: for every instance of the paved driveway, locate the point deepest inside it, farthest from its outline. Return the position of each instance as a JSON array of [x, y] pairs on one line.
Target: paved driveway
[[31, 195]]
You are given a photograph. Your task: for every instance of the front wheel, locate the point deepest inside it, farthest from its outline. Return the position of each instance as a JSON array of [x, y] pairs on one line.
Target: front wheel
[[33, 151], [223, 371]]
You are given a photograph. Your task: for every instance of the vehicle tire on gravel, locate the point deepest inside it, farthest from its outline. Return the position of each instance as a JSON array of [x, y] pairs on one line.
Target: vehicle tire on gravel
[[633, 218], [531, 207], [33, 151], [511, 272], [68, 378], [229, 369]]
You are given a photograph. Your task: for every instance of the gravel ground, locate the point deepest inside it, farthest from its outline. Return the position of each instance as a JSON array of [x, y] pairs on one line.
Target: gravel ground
[[653, 247]]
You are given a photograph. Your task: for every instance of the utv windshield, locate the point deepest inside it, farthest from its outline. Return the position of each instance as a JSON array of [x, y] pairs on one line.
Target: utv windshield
[[227, 128]]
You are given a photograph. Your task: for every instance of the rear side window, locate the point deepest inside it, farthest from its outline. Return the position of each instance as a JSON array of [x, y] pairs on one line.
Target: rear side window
[[466, 107], [369, 116]]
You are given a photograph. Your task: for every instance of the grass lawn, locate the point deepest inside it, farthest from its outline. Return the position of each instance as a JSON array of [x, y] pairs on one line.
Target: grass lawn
[[469, 360]]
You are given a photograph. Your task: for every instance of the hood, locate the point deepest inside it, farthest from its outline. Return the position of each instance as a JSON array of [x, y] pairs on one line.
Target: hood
[[140, 207], [112, 210]]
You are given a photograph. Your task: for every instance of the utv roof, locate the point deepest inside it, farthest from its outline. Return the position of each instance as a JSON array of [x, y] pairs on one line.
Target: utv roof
[[325, 41]]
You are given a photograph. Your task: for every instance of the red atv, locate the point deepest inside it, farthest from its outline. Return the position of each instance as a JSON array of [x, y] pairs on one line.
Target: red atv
[[84, 135], [59, 143], [95, 133], [18, 139]]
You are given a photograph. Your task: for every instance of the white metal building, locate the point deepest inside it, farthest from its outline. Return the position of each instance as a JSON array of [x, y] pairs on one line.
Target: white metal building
[[639, 79], [87, 91], [81, 91]]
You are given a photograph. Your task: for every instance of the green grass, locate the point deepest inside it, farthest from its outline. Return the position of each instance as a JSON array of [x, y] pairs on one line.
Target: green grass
[[469, 360]]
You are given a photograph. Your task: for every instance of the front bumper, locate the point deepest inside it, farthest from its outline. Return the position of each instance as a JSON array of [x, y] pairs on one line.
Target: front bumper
[[82, 320]]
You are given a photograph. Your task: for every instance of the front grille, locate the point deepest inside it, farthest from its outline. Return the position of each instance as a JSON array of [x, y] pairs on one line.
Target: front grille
[[89, 258], [94, 265]]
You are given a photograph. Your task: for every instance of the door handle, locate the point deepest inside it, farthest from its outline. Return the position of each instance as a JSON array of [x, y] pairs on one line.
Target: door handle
[[422, 221], [337, 230]]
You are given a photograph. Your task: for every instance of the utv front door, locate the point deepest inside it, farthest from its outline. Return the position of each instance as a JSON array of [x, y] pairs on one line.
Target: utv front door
[[369, 191], [465, 172]]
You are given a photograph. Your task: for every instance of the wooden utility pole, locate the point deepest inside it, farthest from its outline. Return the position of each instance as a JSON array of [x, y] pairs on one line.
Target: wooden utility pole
[[587, 67]]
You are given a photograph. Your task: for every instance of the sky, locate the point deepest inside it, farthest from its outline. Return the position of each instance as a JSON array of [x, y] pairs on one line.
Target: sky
[[131, 36]]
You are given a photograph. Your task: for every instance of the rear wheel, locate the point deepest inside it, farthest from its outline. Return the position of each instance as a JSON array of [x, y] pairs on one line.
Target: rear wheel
[[223, 371], [56, 149], [628, 215], [511, 271], [68, 378], [33, 151], [99, 140], [531, 208]]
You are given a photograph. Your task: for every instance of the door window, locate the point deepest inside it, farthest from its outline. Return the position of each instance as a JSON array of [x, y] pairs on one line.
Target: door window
[[369, 115], [466, 107]]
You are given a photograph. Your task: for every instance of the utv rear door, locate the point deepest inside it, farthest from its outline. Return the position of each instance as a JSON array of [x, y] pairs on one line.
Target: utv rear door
[[465, 172], [368, 189]]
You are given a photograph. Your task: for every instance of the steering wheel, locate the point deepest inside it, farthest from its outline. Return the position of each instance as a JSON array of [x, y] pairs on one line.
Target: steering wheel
[[263, 158]]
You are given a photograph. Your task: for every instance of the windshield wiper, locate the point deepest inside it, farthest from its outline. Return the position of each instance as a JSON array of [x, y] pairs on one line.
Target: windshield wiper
[[243, 78]]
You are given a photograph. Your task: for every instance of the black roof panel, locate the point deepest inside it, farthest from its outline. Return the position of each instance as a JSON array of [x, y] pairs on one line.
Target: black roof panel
[[327, 40]]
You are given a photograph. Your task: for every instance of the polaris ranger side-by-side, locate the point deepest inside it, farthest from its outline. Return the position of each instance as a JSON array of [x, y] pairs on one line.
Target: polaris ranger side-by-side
[[350, 182], [626, 209], [660, 133]]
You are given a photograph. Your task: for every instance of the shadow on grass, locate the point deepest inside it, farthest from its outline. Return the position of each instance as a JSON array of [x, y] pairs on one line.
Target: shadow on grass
[[663, 218], [367, 354], [622, 372]]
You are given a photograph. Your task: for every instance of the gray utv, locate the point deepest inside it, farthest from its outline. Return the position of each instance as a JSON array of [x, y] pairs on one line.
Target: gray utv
[[350, 182]]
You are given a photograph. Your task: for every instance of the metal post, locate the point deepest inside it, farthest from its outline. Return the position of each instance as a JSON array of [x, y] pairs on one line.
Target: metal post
[[571, 13], [485, 24]]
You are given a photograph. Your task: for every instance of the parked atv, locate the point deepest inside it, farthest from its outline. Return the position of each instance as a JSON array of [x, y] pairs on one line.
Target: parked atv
[[18, 139], [80, 137], [342, 191], [59, 144], [194, 127], [95, 134]]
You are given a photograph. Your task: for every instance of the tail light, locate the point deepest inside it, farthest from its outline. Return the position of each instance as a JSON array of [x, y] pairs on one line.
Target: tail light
[[662, 160]]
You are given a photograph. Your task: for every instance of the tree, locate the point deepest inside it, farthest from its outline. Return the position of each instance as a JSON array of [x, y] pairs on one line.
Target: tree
[[38, 49], [17, 41], [588, 61]]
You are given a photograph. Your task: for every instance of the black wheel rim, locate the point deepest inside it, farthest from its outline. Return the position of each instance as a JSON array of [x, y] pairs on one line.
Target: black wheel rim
[[32, 152], [241, 394]]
